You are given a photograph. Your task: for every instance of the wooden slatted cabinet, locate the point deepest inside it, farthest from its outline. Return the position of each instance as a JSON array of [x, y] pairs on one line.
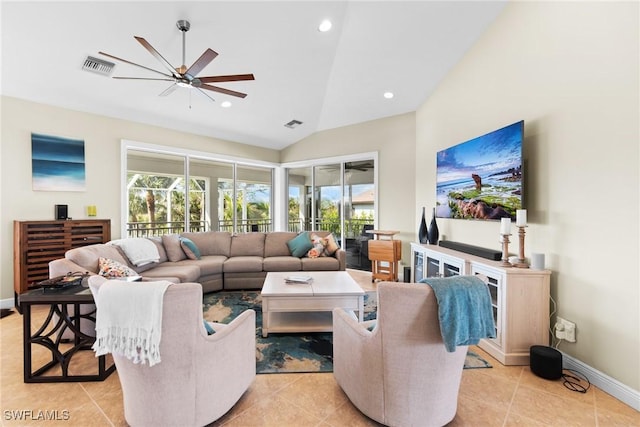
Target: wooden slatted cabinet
[[36, 243]]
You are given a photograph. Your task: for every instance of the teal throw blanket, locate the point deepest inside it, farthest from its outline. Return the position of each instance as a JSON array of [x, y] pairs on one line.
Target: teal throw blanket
[[464, 309]]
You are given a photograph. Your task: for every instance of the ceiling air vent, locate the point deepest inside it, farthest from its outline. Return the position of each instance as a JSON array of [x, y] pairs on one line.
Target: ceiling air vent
[[293, 124], [98, 66]]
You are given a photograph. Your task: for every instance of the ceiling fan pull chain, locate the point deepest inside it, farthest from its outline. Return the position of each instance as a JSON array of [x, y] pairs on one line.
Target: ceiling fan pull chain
[[190, 99]]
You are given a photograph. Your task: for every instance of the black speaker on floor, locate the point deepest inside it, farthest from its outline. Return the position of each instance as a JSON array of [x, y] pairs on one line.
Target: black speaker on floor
[[407, 274], [546, 362], [62, 211]]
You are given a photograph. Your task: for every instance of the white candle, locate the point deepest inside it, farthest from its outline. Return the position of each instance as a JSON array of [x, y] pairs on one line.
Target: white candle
[[505, 226], [521, 217]]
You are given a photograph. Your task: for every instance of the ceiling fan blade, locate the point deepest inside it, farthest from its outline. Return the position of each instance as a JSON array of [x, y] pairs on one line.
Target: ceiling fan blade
[[222, 90], [156, 54], [134, 64], [142, 78], [205, 94], [231, 78], [204, 60], [168, 90]]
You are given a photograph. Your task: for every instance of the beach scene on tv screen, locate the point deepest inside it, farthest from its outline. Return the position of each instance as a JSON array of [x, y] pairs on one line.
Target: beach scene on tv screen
[[481, 178]]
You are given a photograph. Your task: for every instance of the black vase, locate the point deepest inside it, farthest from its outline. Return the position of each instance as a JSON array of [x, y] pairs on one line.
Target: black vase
[[433, 234], [422, 231]]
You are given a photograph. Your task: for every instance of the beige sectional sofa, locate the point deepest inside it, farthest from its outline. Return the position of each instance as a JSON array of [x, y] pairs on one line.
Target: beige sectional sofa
[[226, 261]]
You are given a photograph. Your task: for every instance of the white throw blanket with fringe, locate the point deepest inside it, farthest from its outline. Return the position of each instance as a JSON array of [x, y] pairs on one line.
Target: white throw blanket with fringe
[[129, 320], [139, 250]]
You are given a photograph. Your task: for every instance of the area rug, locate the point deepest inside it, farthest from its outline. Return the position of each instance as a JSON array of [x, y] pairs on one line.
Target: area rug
[[286, 353]]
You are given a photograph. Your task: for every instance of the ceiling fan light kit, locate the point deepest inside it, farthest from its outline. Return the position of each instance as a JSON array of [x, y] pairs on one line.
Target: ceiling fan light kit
[[183, 76]]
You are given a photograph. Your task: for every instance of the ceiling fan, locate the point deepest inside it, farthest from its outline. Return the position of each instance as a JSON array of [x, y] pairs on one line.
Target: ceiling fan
[[183, 76]]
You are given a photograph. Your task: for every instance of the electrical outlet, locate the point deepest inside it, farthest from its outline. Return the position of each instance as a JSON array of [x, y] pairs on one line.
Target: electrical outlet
[[565, 330]]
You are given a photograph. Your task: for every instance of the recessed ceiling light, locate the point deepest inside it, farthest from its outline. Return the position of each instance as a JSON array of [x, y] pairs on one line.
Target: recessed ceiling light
[[388, 95], [225, 104], [325, 26]]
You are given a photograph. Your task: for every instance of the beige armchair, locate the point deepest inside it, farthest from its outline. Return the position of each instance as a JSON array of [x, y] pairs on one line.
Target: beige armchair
[[400, 373], [200, 376]]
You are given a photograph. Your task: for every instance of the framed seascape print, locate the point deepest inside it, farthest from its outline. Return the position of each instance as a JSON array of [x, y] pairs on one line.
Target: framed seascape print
[[57, 163]]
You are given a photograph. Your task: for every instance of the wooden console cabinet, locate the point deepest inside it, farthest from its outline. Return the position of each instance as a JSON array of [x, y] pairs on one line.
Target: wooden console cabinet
[[520, 298], [36, 243]]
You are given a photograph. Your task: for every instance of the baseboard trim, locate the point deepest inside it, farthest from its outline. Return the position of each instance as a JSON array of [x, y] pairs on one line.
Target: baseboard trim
[[6, 303], [604, 382]]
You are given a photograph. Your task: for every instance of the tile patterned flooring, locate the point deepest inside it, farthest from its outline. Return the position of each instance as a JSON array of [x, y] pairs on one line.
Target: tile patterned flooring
[[500, 396]]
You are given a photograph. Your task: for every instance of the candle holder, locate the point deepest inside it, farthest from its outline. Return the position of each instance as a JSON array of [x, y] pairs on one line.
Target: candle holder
[[505, 250], [521, 261]]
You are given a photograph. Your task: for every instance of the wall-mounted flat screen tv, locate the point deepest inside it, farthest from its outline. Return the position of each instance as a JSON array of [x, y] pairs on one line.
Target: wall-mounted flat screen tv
[[482, 178]]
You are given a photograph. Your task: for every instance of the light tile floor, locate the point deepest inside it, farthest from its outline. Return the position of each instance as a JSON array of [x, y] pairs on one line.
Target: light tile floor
[[500, 396]]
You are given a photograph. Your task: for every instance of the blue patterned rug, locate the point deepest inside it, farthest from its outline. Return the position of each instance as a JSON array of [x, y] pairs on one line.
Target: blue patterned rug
[[280, 353]]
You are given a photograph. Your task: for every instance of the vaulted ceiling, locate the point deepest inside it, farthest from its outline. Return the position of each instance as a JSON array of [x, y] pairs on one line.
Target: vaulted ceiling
[[322, 79]]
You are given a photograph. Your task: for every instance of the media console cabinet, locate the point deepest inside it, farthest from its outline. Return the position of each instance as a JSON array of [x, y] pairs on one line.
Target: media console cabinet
[[520, 298]]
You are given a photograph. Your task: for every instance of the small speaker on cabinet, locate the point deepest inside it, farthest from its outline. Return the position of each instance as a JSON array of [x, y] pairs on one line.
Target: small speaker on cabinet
[[546, 362], [62, 211]]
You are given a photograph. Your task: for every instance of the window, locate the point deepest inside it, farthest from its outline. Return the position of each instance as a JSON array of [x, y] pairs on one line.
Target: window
[[156, 204], [219, 195]]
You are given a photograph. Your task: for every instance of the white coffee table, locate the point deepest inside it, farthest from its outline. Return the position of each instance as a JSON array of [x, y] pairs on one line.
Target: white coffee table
[[307, 307]]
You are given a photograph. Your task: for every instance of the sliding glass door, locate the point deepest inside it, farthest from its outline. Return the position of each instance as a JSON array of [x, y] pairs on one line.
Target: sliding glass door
[[335, 196]]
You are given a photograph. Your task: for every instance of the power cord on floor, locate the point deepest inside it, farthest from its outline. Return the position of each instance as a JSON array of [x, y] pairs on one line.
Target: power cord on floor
[[575, 382]]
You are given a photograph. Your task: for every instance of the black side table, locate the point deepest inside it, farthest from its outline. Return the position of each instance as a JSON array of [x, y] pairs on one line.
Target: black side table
[[50, 333]]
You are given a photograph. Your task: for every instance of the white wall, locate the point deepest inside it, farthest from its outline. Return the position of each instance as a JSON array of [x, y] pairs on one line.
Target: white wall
[[570, 70], [102, 136]]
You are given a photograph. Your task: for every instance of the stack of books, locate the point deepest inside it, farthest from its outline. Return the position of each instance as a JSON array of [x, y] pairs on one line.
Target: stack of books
[[298, 279]]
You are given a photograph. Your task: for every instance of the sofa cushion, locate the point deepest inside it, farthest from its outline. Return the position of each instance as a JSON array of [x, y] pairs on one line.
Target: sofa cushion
[[110, 268], [248, 244], [163, 253], [185, 273], [282, 263], [300, 245], [328, 263], [243, 264], [190, 249], [87, 257], [211, 242], [211, 264], [171, 244], [275, 243]]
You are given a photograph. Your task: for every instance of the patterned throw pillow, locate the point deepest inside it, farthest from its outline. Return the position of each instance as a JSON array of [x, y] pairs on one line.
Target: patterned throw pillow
[[319, 246], [110, 269], [190, 248], [332, 246]]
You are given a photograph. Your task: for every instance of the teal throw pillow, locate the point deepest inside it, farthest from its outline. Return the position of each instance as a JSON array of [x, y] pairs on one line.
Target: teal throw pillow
[[190, 248], [300, 245], [209, 328]]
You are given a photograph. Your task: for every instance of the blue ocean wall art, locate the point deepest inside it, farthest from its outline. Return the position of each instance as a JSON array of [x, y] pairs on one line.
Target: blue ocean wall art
[[57, 163]]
